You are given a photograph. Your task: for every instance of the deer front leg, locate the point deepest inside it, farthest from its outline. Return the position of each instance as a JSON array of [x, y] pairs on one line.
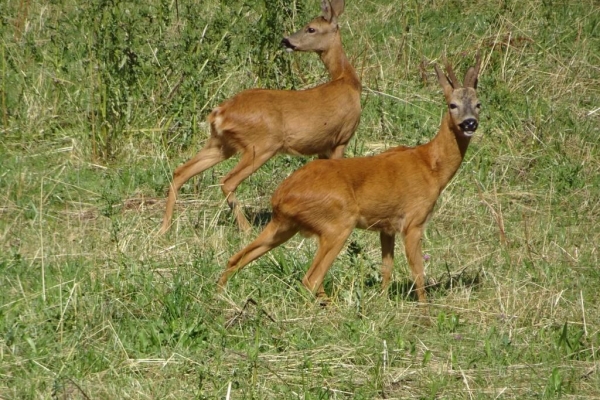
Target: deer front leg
[[412, 244], [387, 258], [338, 151]]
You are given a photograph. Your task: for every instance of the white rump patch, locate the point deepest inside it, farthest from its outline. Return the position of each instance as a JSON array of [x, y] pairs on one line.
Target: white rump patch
[[217, 121]]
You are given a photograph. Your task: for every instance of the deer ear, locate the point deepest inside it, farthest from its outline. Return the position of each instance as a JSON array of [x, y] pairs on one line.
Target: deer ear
[[330, 10], [326, 10], [338, 7], [471, 78], [447, 85], [454, 82], [442, 78], [473, 73]]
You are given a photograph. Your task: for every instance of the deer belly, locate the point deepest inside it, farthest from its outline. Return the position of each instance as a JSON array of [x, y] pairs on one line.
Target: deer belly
[[389, 225], [317, 142]]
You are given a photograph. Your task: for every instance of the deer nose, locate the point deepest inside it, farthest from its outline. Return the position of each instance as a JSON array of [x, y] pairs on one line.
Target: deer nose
[[285, 42], [469, 125]]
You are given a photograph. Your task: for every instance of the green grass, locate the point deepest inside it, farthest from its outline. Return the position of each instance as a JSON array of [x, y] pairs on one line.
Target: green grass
[[100, 102]]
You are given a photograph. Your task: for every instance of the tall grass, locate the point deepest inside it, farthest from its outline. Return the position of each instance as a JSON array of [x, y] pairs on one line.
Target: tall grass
[[100, 100]]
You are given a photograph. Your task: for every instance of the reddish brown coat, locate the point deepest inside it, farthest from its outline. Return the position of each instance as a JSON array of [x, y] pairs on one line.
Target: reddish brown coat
[[259, 123], [393, 192]]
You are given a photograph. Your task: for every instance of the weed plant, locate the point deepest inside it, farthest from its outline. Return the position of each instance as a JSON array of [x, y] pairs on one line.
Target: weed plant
[[100, 100]]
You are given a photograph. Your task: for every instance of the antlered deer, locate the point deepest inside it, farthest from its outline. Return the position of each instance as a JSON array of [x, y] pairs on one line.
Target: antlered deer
[[260, 123], [393, 192]]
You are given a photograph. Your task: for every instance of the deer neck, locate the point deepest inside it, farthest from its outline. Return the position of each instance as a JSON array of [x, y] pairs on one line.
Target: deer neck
[[337, 63], [446, 150]]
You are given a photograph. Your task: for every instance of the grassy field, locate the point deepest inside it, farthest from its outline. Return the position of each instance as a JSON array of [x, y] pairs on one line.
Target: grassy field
[[101, 100]]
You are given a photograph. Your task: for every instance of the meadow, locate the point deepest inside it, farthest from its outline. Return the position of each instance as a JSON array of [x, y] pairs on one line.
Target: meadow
[[101, 100]]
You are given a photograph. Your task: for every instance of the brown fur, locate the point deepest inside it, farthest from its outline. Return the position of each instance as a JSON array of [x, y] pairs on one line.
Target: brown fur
[[394, 192], [259, 123]]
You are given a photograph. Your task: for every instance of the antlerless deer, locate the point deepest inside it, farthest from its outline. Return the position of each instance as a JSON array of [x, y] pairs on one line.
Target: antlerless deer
[[393, 192], [260, 123]]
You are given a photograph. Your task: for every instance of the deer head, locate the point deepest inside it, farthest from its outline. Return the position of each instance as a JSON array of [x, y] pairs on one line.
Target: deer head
[[462, 101], [318, 32]]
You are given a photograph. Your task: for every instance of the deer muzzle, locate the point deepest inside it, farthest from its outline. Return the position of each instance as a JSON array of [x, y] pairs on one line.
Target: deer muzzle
[[285, 42], [469, 125]]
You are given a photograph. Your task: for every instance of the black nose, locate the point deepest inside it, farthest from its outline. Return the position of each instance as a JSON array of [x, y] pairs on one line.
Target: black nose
[[468, 125], [285, 42]]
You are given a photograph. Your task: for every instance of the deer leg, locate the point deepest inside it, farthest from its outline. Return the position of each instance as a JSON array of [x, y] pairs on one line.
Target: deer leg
[[387, 257], [338, 151], [330, 245], [412, 245], [211, 154], [274, 234], [251, 160]]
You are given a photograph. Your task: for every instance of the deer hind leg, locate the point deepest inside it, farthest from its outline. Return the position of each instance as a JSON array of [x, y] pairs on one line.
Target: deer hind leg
[[274, 234], [251, 160], [414, 254], [330, 245], [387, 257], [213, 153]]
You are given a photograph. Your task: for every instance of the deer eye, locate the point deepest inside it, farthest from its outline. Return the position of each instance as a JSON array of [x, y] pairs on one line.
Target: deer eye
[[453, 106], [478, 106], [311, 30]]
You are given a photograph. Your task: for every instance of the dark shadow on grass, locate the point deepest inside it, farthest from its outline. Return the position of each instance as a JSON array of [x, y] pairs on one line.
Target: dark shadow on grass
[[259, 218], [461, 279], [402, 289], [435, 287]]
